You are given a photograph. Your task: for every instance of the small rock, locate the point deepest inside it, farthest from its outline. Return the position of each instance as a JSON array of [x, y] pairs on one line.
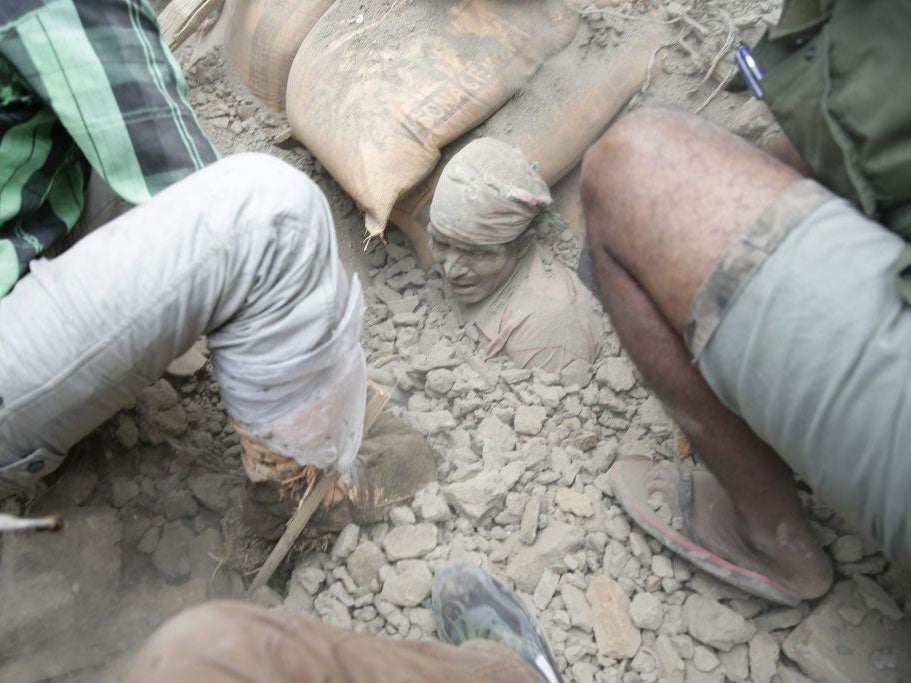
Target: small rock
[[875, 597], [615, 634], [552, 544], [573, 502], [123, 490], [617, 374], [528, 527], [177, 504], [583, 672], [788, 674], [704, 659], [764, 653], [439, 382], [309, 578], [646, 611], [662, 567], [529, 419], [586, 441], [431, 505], [408, 585], [127, 432], [847, 549], [494, 432], [190, 363], [410, 541], [826, 648], [401, 515], [172, 554], [346, 541], [332, 611], [712, 623], [433, 422], [160, 415], [544, 591], [580, 614], [209, 490], [778, 619], [149, 541], [670, 665], [365, 562], [474, 497], [735, 663]]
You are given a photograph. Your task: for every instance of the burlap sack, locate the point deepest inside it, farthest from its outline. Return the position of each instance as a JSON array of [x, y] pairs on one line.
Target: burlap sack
[[553, 119], [261, 39], [377, 89]]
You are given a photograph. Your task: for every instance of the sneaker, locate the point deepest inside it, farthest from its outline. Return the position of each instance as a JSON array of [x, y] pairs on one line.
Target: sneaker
[[469, 604]]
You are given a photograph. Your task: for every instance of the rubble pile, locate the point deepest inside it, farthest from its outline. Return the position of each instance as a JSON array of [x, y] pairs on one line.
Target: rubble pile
[[151, 505]]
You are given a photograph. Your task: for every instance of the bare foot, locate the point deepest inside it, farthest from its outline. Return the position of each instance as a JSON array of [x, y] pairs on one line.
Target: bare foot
[[761, 540]]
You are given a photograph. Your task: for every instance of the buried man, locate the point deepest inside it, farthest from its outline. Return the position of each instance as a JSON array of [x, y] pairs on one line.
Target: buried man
[[524, 303], [242, 250], [770, 311]]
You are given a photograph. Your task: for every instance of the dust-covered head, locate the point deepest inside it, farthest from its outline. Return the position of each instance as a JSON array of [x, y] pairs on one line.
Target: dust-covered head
[[486, 199]]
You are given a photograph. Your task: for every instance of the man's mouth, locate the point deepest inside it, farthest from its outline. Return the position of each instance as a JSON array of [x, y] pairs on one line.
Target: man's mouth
[[461, 286]]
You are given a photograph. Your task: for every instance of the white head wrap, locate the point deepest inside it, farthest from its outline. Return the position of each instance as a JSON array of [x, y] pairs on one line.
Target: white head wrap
[[488, 194]]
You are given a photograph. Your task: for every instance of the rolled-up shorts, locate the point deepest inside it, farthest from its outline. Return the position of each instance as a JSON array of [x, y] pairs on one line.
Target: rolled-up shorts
[[801, 330]]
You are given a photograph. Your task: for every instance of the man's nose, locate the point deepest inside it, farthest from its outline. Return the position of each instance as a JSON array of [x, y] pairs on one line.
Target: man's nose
[[453, 266]]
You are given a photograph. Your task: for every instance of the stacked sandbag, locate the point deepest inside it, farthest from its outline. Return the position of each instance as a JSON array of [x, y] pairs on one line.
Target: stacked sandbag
[[263, 36], [378, 89], [555, 117]]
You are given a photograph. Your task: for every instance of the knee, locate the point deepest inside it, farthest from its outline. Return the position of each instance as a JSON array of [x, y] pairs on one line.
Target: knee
[[266, 176], [260, 192], [624, 167]]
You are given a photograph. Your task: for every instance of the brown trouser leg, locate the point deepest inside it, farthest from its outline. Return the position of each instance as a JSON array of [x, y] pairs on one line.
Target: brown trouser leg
[[233, 642]]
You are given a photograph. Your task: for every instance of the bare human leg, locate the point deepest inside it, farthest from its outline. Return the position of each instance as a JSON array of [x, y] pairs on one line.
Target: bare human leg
[[664, 195]]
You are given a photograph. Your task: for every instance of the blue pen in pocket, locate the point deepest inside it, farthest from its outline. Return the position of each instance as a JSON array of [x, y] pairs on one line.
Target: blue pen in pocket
[[750, 70]]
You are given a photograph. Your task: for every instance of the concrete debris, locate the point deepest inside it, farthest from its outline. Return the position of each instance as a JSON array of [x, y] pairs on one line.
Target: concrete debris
[[580, 614], [847, 548], [876, 598], [408, 585], [617, 373], [704, 659], [646, 611], [574, 502], [190, 363], [764, 652], [552, 545], [828, 648], [157, 514], [545, 590], [530, 419], [670, 665], [615, 633], [735, 663], [346, 541], [528, 527], [410, 541], [365, 562], [713, 624], [474, 497]]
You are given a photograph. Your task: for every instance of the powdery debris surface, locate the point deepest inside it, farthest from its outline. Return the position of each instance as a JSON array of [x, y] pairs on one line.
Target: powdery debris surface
[[152, 498]]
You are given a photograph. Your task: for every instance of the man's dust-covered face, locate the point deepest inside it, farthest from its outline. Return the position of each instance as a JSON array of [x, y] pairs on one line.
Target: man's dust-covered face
[[473, 273]]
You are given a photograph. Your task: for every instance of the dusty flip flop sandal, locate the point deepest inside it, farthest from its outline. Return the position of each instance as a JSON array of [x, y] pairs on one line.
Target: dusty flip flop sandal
[[629, 476]]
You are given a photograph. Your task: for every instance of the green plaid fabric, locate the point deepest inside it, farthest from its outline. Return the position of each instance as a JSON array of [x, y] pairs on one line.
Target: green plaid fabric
[[84, 84]]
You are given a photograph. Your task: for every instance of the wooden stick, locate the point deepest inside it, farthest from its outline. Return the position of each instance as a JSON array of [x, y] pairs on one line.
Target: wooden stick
[[311, 500], [181, 18], [315, 494]]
